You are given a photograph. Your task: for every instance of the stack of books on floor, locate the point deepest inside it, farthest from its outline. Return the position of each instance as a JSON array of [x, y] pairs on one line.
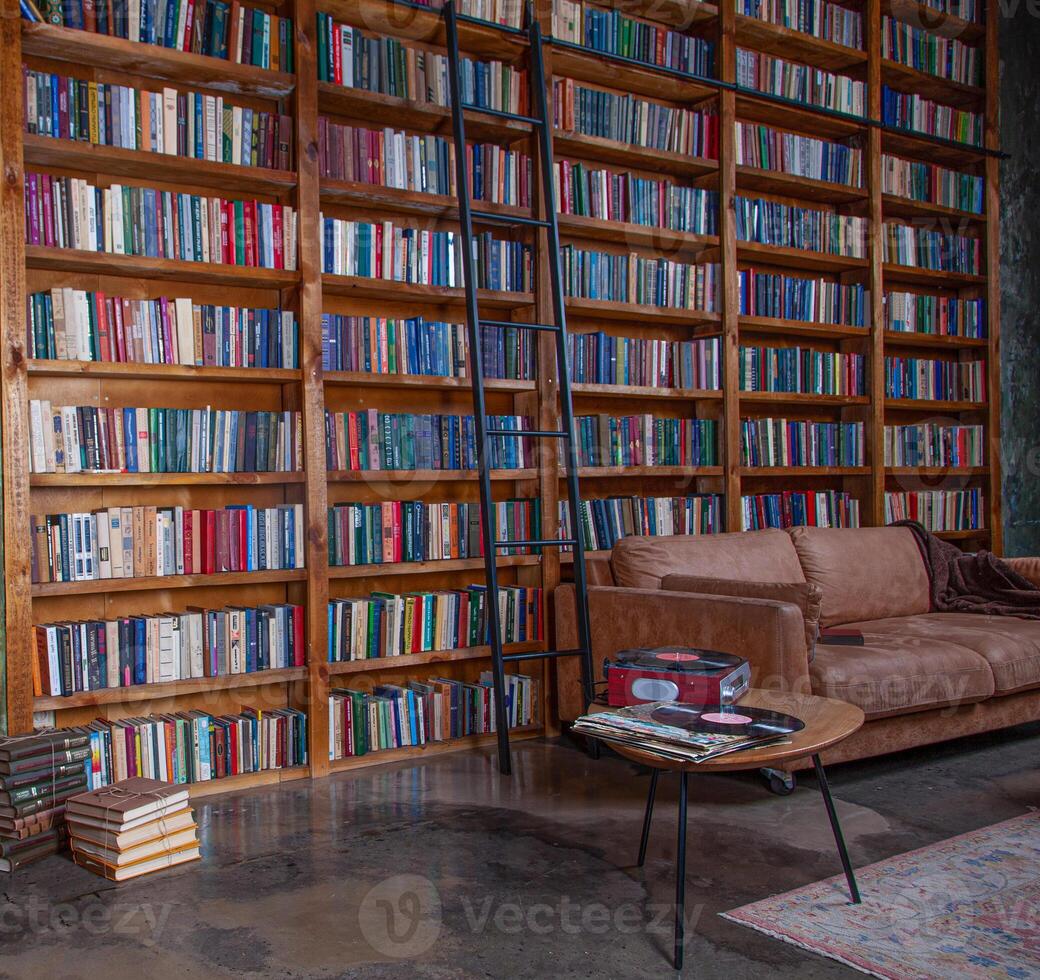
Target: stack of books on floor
[[131, 828], [38, 773]]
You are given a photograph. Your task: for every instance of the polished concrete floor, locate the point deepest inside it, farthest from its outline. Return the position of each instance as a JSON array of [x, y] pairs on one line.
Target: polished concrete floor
[[447, 870]]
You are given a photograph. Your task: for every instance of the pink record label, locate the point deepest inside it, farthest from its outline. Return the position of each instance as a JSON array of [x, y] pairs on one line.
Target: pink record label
[[716, 718], [677, 657]]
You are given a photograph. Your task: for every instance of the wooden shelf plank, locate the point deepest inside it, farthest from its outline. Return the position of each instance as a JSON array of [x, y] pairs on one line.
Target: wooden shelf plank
[[945, 90], [162, 479], [613, 472], [781, 471], [159, 372], [361, 287], [920, 15], [424, 476], [633, 312], [896, 338], [354, 194], [801, 398], [962, 535], [338, 668], [418, 753], [801, 117], [567, 145], [366, 379], [937, 470], [936, 405], [164, 582], [247, 780], [921, 146], [791, 185], [800, 328], [785, 42], [424, 567], [930, 277], [677, 244], [904, 207], [796, 258], [642, 391]]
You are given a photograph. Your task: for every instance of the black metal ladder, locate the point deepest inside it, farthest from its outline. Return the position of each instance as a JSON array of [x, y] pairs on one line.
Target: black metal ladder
[[539, 120]]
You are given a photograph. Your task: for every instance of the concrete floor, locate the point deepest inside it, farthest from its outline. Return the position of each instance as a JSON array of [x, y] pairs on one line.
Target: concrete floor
[[447, 870]]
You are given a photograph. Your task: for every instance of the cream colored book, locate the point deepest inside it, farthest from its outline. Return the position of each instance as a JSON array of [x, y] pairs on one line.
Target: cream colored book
[[158, 863], [129, 803], [155, 847]]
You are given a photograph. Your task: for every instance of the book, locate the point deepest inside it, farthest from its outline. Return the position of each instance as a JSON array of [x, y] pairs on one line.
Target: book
[[803, 156], [789, 226], [128, 802], [934, 444], [604, 521], [800, 508], [829, 21], [645, 440], [938, 510], [920, 181], [118, 840], [787, 297], [925, 248], [169, 843], [943, 316], [915, 113], [943, 56], [602, 358], [784, 442], [158, 862], [935, 380], [803, 83], [801, 369]]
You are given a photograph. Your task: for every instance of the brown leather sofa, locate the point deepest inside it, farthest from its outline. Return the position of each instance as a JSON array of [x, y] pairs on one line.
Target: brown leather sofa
[[920, 677]]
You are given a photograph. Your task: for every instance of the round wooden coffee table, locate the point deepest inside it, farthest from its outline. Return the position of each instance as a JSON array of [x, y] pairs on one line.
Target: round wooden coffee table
[[827, 722]]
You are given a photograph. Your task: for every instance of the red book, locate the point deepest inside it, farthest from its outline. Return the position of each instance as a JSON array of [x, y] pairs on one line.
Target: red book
[[417, 625], [44, 191], [249, 213], [378, 271], [185, 42], [243, 541], [397, 548], [276, 234], [299, 652], [209, 555], [63, 111], [41, 676], [104, 343], [337, 54], [225, 217], [352, 429], [189, 539]]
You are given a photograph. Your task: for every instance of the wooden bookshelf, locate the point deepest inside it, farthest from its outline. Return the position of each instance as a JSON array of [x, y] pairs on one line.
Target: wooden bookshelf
[[310, 389]]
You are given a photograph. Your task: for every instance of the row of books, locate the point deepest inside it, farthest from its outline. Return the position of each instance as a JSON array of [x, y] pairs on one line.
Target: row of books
[[801, 369], [799, 508], [412, 530], [371, 440], [611, 32], [829, 21], [626, 118], [425, 164], [67, 212], [924, 248], [508, 13], [914, 112], [783, 442], [791, 153], [645, 440], [195, 746], [383, 250], [600, 358], [393, 717], [929, 182], [389, 625], [141, 542], [68, 324], [943, 316], [631, 278], [937, 510], [186, 124], [913, 377], [87, 439], [374, 345], [789, 226], [353, 59], [929, 51], [611, 196], [244, 35], [932, 444], [801, 83], [73, 657], [605, 521], [787, 297], [969, 10]]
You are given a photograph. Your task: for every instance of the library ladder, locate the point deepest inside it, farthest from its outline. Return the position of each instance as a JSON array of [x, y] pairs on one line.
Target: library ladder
[[565, 435]]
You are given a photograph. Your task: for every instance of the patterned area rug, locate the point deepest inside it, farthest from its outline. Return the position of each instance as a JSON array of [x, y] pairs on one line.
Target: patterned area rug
[[968, 907]]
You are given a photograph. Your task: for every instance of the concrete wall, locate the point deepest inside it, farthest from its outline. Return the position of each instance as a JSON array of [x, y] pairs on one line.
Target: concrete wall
[[1020, 273]]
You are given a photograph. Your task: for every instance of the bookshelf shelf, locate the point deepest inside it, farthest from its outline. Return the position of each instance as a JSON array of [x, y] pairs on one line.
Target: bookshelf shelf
[[683, 14], [902, 207], [801, 399], [159, 372], [162, 479], [359, 287], [633, 312], [169, 689], [247, 780], [894, 338], [779, 472], [799, 328], [796, 258], [678, 244], [602, 150], [164, 582], [963, 535], [937, 470], [423, 567], [908, 79], [642, 391], [770, 109], [934, 405], [423, 476], [784, 42], [339, 668], [591, 472], [406, 382], [908, 143], [353, 194], [153, 61], [930, 277], [922, 15], [789, 185]]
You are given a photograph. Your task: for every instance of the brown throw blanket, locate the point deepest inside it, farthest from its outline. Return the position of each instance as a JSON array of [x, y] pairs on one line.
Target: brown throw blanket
[[973, 583]]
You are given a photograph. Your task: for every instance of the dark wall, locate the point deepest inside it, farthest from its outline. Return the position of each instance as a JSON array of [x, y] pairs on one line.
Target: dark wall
[[1020, 273]]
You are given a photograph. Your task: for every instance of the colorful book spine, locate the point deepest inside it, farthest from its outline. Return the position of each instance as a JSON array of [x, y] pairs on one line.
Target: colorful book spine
[[391, 625], [918, 114], [800, 83], [73, 657], [932, 444], [643, 440], [141, 542], [627, 118], [88, 439], [942, 316], [828, 21], [935, 380], [782, 442], [938, 510], [604, 521], [76, 325], [788, 226], [923, 248], [374, 345], [411, 530], [611, 196], [919, 181], [600, 358], [803, 156], [429, 258], [946, 57], [801, 370], [67, 212], [186, 124], [371, 440], [800, 508], [631, 278], [784, 297]]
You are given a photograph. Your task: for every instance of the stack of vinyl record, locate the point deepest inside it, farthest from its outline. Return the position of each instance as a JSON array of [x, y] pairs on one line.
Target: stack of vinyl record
[[38, 773], [132, 828]]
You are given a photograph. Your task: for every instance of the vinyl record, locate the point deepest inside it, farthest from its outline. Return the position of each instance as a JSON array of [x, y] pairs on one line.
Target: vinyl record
[[727, 719], [678, 659]]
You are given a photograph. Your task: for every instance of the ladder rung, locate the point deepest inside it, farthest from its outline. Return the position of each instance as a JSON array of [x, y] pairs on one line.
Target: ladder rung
[[518, 433], [509, 219], [523, 326], [515, 116], [538, 543], [543, 655]]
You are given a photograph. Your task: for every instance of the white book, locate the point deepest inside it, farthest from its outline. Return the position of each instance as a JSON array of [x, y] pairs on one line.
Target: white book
[[126, 521], [37, 444], [196, 647], [70, 438], [115, 541], [53, 660], [104, 557], [185, 330]]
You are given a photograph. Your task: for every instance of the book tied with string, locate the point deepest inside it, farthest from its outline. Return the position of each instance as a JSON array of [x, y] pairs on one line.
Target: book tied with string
[[132, 828]]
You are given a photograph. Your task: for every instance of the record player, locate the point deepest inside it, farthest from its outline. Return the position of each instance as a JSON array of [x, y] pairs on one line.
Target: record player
[[688, 675]]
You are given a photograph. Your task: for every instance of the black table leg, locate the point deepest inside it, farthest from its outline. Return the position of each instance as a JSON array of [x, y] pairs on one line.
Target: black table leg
[[680, 876], [646, 819], [832, 814]]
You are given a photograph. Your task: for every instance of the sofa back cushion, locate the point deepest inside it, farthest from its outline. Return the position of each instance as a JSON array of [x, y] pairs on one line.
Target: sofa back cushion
[[754, 556], [863, 573]]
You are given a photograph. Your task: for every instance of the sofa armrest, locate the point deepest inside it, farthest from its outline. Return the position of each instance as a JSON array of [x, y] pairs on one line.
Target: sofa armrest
[[1028, 568], [770, 635]]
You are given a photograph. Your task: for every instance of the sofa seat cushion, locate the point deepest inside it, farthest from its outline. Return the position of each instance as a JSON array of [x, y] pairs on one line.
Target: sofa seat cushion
[[1010, 646], [897, 673], [642, 561]]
